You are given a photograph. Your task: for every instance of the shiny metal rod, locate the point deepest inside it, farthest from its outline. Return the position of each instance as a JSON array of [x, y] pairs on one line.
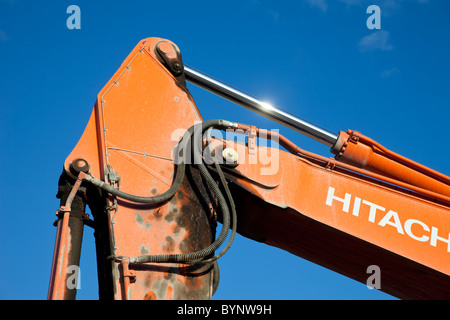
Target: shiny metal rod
[[263, 108]]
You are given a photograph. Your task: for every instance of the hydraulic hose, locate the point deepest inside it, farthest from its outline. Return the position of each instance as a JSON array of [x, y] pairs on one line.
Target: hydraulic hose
[[194, 257], [233, 217], [179, 176]]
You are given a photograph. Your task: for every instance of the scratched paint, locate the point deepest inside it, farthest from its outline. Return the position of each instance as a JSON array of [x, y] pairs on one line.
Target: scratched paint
[[178, 226], [141, 221]]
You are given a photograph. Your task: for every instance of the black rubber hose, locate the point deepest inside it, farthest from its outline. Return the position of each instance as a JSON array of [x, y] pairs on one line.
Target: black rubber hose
[[179, 176], [197, 256], [233, 218]]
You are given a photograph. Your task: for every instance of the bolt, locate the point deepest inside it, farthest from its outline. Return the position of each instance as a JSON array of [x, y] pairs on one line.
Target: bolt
[[165, 47], [230, 156], [177, 65]]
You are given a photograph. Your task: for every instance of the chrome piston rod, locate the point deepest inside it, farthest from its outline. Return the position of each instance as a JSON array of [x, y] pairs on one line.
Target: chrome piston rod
[[263, 108]]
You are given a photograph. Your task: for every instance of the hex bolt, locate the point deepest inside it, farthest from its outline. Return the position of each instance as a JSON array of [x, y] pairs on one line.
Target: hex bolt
[[230, 156]]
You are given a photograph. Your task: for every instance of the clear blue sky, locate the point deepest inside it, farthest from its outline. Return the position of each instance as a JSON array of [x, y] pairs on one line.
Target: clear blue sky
[[315, 58]]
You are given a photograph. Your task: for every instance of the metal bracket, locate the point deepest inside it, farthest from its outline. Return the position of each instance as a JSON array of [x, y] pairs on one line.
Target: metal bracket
[[130, 274], [169, 54], [354, 136], [330, 165], [113, 176], [67, 207]]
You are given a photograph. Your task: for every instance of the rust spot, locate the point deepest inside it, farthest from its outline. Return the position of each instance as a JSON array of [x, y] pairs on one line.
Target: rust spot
[[157, 213], [189, 292], [168, 275], [171, 215], [176, 231], [143, 249], [154, 190], [150, 296], [139, 219], [170, 245], [169, 293], [184, 246], [181, 219], [160, 288], [147, 281], [193, 282]]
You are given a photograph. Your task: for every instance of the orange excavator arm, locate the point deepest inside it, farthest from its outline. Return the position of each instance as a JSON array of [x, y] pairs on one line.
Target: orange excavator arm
[[157, 181]]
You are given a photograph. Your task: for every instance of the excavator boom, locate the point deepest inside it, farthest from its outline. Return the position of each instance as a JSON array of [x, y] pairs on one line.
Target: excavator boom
[[158, 179]]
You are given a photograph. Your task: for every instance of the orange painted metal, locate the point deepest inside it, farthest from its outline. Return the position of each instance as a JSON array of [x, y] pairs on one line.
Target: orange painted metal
[[138, 119], [347, 219], [129, 277], [333, 213], [58, 279], [57, 284], [361, 151]]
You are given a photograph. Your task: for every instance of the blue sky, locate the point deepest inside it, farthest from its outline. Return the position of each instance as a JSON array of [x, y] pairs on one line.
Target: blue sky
[[314, 58]]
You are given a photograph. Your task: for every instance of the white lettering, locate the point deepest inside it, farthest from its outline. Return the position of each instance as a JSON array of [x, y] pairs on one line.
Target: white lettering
[[434, 237], [373, 210], [408, 226], [345, 201], [391, 218], [386, 220], [194, 310], [356, 206], [246, 309]]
